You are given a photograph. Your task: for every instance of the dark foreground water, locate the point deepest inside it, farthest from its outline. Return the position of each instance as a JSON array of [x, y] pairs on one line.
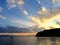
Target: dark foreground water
[[30, 40]]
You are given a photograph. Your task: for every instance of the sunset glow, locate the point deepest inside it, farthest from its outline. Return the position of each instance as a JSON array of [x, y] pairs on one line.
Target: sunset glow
[[48, 22]]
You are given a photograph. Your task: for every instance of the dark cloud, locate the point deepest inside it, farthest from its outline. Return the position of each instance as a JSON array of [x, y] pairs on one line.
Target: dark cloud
[[14, 29]]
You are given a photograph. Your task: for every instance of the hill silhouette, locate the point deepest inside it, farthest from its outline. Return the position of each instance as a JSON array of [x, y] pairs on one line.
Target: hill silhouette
[[49, 33]]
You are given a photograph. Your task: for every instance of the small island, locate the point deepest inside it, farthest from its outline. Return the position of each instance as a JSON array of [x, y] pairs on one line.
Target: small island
[[49, 33]]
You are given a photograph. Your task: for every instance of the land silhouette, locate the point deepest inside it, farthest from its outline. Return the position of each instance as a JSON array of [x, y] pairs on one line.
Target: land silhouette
[[49, 33]]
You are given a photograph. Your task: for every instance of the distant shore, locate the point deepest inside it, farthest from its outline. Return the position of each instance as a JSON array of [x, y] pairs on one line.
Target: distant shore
[[18, 34]]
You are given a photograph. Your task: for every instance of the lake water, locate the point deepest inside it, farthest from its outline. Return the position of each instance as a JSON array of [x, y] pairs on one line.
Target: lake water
[[30, 40]]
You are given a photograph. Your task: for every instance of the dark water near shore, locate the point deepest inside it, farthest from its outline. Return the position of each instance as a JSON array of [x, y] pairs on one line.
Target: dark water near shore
[[30, 40]]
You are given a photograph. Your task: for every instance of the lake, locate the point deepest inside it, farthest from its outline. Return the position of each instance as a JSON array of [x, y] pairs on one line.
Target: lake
[[29, 40]]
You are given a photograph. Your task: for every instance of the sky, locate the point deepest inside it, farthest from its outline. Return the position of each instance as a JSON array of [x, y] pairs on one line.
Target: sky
[[27, 13]]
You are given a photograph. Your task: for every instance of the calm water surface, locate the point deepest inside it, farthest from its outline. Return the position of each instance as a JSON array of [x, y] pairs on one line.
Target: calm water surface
[[30, 40]]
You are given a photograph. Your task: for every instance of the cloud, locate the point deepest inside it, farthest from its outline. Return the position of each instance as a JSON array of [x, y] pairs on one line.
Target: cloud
[[47, 23], [20, 2], [22, 22], [38, 1], [11, 3], [52, 22], [2, 17], [36, 20], [25, 12], [54, 1], [14, 3], [15, 21], [42, 11], [58, 0], [58, 22], [1, 8]]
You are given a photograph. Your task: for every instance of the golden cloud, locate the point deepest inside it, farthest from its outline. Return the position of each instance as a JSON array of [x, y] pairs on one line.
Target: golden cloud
[[47, 23]]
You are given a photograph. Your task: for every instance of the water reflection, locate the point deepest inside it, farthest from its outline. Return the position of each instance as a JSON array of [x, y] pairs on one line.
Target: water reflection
[[18, 40], [48, 41]]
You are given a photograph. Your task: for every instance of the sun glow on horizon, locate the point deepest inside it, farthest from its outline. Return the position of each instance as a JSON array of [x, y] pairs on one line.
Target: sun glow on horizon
[[47, 23]]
